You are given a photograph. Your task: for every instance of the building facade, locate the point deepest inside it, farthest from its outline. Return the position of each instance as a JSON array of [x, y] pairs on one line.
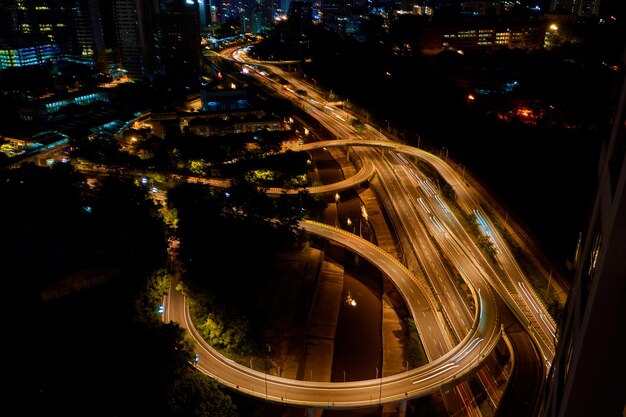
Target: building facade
[[587, 376], [528, 36], [72, 28], [179, 47], [576, 7], [135, 21], [19, 52]]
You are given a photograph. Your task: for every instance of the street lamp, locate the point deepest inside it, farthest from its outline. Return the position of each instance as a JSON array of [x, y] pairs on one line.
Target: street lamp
[[364, 216], [337, 198], [548, 287]]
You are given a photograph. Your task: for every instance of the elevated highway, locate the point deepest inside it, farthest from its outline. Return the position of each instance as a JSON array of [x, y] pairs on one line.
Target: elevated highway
[[456, 365], [445, 371]]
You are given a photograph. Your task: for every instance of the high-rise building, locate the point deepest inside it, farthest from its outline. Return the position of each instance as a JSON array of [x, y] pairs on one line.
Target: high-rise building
[[213, 12], [135, 24], [227, 11], [265, 12], [87, 43], [256, 16], [158, 38], [203, 17], [73, 28], [45, 18], [481, 7], [587, 375], [179, 45], [576, 7], [247, 19], [300, 18], [341, 16], [207, 13], [332, 8], [282, 5]]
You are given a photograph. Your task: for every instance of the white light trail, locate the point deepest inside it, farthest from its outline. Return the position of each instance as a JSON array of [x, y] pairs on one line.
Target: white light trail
[[442, 369]]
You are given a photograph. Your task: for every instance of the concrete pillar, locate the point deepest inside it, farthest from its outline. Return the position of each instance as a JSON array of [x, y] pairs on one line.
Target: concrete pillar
[[402, 409]]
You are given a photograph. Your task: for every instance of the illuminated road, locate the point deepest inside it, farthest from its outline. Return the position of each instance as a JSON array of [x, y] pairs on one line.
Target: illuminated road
[[517, 294], [445, 369], [425, 220], [459, 362]]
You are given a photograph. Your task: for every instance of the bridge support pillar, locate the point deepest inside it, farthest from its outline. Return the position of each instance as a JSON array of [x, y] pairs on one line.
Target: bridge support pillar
[[348, 153], [402, 409]]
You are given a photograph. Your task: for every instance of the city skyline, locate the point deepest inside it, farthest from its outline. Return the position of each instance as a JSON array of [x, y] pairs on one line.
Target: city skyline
[[132, 108]]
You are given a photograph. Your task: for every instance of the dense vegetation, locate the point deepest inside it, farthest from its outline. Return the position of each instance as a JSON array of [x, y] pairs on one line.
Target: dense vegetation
[[229, 239], [101, 349]]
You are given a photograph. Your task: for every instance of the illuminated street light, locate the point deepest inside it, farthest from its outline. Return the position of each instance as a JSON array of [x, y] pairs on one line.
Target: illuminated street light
[[349, 224], [351, 301]]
